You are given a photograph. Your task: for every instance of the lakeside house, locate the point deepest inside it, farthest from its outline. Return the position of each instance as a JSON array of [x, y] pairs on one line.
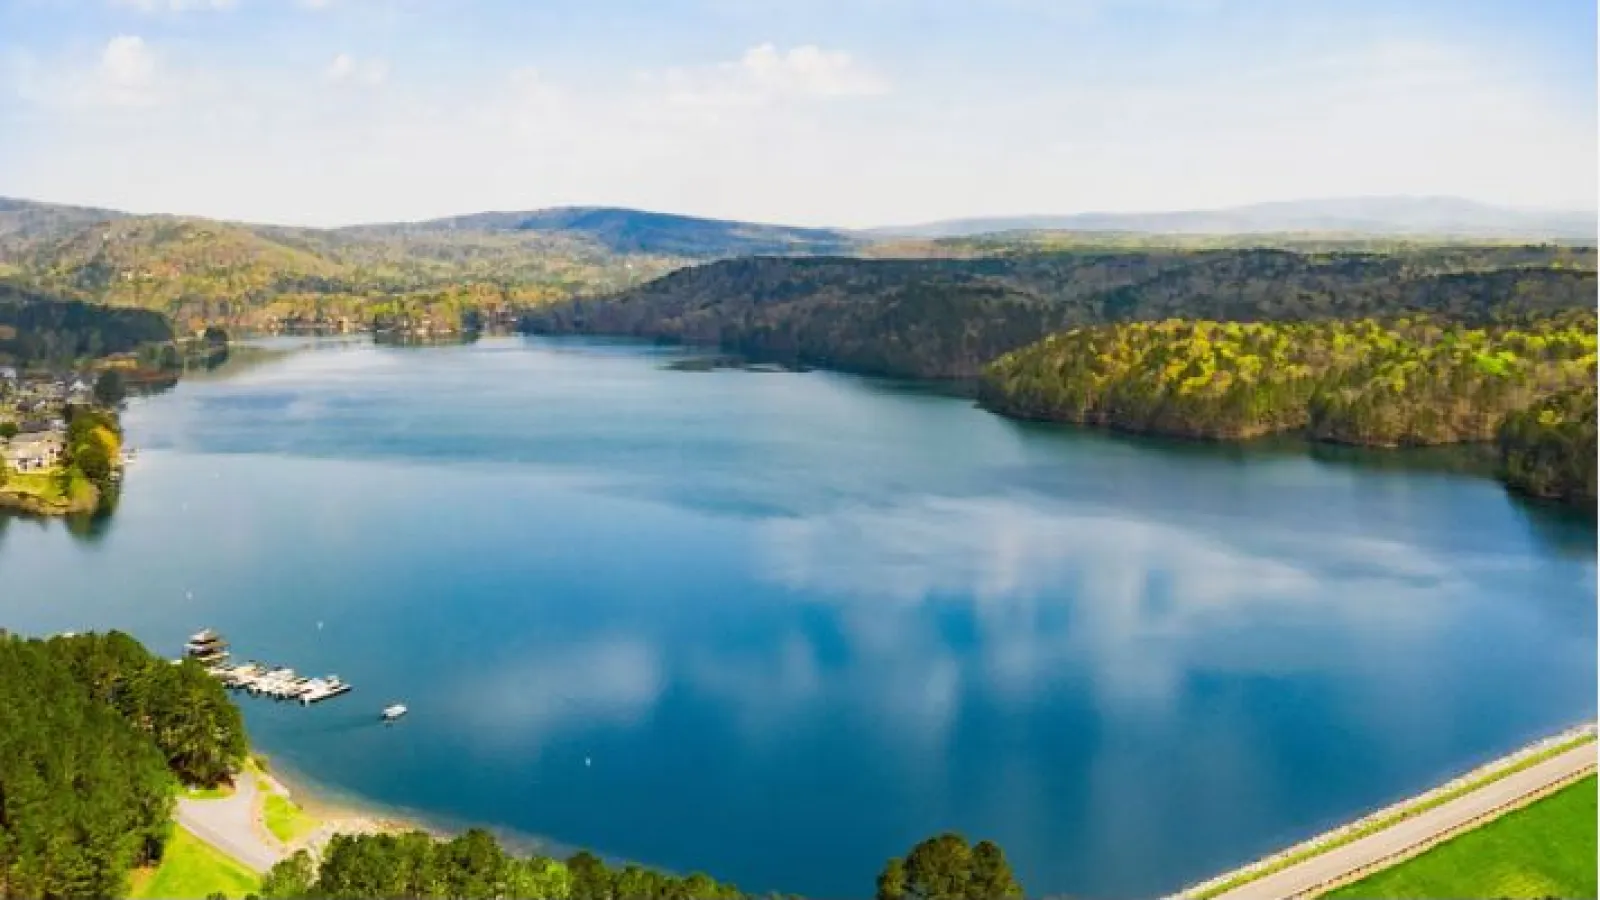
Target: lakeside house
[[35, 452]]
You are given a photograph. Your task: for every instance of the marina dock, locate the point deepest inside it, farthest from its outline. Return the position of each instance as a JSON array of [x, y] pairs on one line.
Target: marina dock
[[257, 679]]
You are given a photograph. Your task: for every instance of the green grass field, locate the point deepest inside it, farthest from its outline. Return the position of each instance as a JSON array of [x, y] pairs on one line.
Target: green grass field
[[284, 819], [1545, 850], [191, 868], [44, 485]]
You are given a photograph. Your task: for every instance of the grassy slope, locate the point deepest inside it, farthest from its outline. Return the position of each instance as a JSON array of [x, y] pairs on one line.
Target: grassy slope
[[1545, 850], [192, 868], [284, 819]]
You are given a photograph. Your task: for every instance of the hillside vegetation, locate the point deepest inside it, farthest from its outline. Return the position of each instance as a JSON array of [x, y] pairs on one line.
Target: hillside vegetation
[[95, 736], [1408, 382], [38, 329], [1548, 450], [200, 272], [947, 318], [441, 275]]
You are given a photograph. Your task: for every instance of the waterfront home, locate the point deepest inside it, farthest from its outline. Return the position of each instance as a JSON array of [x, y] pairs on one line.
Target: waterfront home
[[35, 452]]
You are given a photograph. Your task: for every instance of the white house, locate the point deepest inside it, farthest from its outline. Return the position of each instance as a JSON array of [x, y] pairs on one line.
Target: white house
[[33, 452]]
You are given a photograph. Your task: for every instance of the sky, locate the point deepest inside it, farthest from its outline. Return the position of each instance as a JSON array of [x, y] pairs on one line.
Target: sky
[[851, 113]]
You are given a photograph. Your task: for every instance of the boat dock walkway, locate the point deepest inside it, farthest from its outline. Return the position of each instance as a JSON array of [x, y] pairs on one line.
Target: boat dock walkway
[[257, 679], [279, 683]]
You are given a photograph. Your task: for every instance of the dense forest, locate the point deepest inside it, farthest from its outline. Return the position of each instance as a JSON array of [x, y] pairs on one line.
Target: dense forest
[[1548, 449], [1411, 381], [36, 329], [473, 865], [1405, 382], [947, 318], [95, 736], [470, 865]]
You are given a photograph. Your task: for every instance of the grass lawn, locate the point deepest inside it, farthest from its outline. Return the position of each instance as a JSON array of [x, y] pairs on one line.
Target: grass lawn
[[284, 819], [44, 485], [1544, 850], [192, 868]]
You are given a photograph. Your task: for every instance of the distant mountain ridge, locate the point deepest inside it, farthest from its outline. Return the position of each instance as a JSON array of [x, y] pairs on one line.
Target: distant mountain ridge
[[203, 271], [1396, 216], [637, 231], [28, 218]]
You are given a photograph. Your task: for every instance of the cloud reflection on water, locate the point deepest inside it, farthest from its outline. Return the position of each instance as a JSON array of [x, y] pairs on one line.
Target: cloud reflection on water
[[1134, 604]]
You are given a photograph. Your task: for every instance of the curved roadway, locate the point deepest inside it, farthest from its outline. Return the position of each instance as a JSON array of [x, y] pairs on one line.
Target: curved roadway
[[229, 824]]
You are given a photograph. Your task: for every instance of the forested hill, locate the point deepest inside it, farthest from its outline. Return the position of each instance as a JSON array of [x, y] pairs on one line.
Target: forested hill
[[35, 328], [947, 318], [245, 276]]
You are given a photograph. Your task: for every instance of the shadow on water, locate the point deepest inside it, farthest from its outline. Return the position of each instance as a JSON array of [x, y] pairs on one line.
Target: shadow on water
[[1458, 459], [1565, 530]]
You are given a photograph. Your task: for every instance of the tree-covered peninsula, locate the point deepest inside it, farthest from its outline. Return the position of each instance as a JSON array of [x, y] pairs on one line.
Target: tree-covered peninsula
[[1404, 382]]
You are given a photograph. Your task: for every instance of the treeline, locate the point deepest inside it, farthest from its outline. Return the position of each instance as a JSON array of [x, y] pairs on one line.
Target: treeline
[[471, 865], [36, 329], [947, 318], [95, 735], [1548, 450]]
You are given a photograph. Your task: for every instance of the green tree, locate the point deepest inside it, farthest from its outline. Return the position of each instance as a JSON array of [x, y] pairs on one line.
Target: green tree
[[110, 388], [590, 879], [992, 878], [291, 878], [892, 880], [947, 868]]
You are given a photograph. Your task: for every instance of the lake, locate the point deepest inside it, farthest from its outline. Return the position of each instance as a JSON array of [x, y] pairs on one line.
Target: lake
[[780, 626]]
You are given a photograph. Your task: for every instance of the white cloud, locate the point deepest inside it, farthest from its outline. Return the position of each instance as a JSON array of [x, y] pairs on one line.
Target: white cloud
[[803, 134], [347, 69], [764, 75]]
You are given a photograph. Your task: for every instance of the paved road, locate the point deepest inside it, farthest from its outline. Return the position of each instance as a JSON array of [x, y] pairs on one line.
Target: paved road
[[1300, 879], [229, 824]]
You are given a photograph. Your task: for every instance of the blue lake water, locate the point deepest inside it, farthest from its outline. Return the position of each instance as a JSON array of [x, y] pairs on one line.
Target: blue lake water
[[779, 627]]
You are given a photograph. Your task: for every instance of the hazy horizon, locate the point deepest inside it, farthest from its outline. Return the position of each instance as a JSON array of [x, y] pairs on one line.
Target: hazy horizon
[[802, 112], [881, 227]]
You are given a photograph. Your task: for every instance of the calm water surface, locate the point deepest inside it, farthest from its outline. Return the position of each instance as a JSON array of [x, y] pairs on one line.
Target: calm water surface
[[778, 627]]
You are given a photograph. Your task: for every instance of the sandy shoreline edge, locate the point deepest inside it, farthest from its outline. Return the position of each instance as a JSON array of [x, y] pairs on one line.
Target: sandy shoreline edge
[[341, 812]]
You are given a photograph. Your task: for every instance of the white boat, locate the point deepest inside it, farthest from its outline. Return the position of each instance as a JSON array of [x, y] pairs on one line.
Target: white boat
[[390, 713], [319, 689]]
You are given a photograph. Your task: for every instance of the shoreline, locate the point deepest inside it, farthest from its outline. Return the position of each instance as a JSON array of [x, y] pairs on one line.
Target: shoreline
[[341, 812], [1377, 820], [336, 811]]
